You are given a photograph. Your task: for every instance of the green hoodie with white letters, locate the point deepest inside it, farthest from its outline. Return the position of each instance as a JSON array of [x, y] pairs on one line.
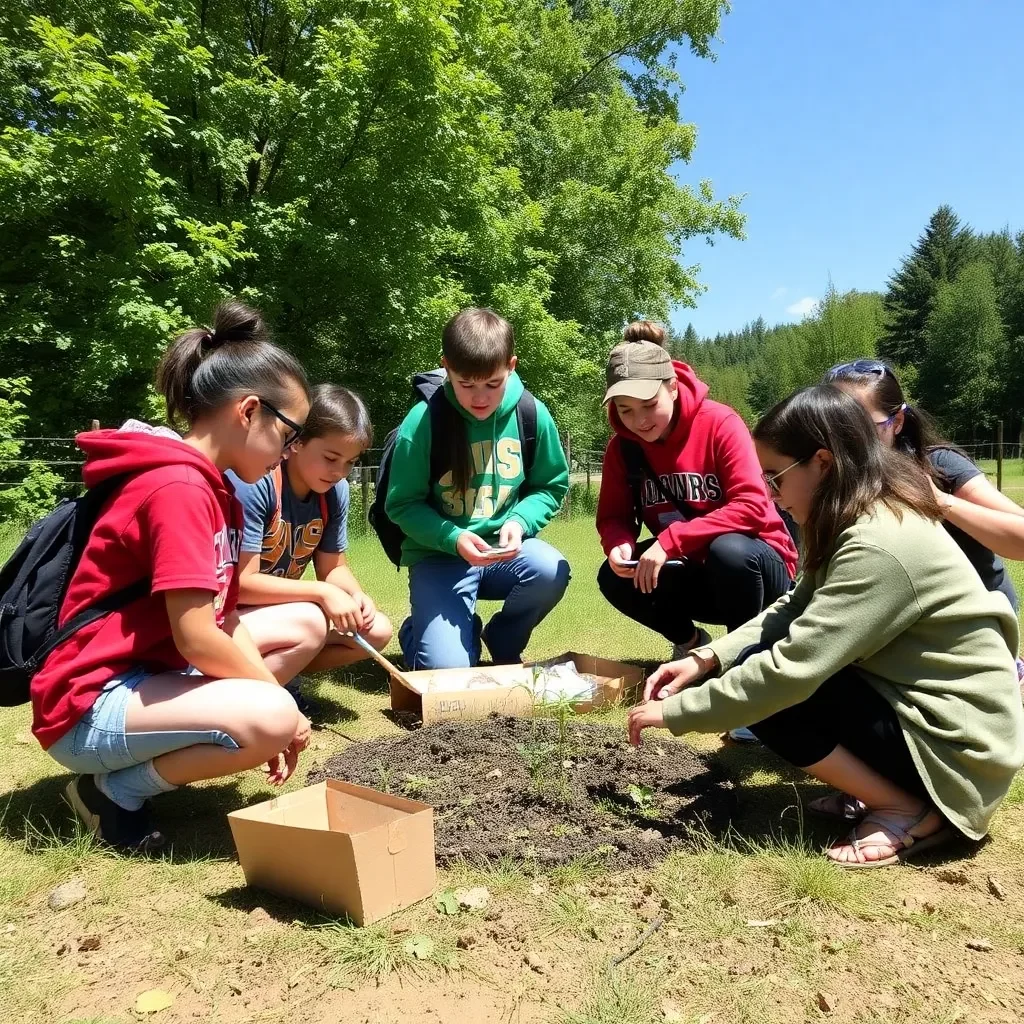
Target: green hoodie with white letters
[[432, 514]]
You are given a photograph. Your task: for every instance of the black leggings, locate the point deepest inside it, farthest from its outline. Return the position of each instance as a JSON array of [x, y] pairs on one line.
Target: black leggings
[[846, 710], [740, 577]]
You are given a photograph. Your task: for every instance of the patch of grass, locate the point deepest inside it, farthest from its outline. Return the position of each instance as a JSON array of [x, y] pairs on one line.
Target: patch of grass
[[615, 1000], [372, 953], [574, 915], [507, 876]]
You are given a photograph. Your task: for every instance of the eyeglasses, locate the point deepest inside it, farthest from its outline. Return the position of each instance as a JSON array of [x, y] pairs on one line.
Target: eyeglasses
[[772, 479], [296, 428], [861, 366], [888, 421]]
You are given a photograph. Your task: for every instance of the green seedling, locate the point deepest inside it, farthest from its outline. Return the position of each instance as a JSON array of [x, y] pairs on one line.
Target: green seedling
[[417, 785]]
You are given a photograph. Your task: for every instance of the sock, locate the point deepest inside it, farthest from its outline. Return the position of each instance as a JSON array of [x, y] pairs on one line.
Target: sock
[[130, 788]]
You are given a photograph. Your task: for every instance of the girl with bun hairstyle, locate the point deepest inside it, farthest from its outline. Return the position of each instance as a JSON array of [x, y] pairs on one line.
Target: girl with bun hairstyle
[[684, 466], [171, 689]]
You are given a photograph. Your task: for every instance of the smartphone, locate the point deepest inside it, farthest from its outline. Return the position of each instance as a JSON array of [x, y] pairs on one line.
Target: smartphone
[[497, 552]]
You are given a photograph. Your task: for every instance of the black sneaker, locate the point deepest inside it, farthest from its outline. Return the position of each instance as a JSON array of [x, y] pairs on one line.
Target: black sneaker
[[129, 831], [301, 701]]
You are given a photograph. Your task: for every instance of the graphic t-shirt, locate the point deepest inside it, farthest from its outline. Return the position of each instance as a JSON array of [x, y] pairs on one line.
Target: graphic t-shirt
[[287, 541], [956, 470]]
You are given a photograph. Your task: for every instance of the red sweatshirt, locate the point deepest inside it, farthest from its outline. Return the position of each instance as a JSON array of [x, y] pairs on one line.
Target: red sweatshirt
[[709, 461], [176, 521]]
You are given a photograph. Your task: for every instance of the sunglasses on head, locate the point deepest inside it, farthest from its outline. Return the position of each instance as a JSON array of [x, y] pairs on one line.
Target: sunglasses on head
[[295, 428], [858, 366]]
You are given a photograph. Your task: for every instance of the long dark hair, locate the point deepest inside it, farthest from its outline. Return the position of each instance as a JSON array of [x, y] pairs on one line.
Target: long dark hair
[[336, 409], [208, 366], [476, 343], [919, 434], [863, 473]]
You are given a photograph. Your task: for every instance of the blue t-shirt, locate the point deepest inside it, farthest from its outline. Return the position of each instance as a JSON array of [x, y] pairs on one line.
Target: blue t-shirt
[[287, 542]]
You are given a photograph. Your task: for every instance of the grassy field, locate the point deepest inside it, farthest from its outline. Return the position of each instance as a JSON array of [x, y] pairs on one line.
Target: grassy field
[[756, 929]]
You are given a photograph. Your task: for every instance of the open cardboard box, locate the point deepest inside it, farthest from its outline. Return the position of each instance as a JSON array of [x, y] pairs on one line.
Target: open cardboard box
[[466, 694], [340, 848]]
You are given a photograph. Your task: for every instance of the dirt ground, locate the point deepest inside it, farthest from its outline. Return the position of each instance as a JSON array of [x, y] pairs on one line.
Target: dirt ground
[[545, 792]]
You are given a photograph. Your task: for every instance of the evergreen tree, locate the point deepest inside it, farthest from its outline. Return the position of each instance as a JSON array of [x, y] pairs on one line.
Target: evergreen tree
[[965, 338], [939, 255]]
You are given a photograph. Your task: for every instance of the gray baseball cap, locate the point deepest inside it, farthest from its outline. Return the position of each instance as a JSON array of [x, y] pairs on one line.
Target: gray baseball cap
[[636, 369]]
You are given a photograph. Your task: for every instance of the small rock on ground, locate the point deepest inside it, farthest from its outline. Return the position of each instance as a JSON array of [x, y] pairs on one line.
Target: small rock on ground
[[67, 894]]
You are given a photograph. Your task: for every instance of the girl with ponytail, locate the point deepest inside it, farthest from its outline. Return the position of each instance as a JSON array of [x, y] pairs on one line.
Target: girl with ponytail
[[171, 689], [986, 524]]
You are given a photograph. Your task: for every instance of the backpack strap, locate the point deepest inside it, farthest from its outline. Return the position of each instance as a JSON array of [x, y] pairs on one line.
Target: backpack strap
[[277, 473], [638, 469], [526, 421], [104, 606], [442, 417]]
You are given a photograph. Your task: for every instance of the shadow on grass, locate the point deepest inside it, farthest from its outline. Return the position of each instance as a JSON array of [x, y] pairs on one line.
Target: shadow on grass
[[280, 908], [194, 817]]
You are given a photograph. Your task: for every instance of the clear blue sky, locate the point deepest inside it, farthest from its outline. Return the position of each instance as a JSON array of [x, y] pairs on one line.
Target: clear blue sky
[[847, 124]]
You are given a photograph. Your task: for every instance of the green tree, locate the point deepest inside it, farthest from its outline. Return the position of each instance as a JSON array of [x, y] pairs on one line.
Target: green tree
[[359, 170], [940, 253], [964, 336]]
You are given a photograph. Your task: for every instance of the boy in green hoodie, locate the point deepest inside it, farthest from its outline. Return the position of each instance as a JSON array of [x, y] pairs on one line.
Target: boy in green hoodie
[[472, 533]]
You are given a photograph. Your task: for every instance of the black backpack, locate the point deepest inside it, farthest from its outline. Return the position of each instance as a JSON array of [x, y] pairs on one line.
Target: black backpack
[[429, 387], [33, 584], [638, 470]]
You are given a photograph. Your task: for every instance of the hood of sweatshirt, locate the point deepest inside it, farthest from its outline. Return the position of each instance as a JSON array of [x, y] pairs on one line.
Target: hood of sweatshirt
[[690, 396], [111, 453]]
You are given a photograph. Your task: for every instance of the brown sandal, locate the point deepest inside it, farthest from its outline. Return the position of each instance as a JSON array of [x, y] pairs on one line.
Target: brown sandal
[[839, 806]]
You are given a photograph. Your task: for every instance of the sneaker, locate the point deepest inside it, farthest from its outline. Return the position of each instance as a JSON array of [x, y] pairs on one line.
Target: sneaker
[[682, 650], [301, 701], [129, 831]]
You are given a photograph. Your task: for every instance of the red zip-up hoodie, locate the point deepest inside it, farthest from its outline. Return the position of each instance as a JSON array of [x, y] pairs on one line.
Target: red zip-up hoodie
[[708, 461], [174, 521]]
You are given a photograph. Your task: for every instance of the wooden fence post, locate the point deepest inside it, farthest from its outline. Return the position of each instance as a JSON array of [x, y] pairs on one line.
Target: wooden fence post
[[999, 455], [94, 425], [364, 482], [588, 472], [568, 459]]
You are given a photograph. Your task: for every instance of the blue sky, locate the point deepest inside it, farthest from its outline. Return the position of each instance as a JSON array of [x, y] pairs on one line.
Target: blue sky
[[846, 125]]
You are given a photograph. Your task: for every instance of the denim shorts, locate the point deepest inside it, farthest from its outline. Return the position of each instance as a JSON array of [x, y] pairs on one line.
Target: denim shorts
[[98, 744]]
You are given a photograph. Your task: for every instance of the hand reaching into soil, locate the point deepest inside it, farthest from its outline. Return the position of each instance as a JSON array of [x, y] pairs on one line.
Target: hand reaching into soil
[[648, 715], [673, 677], [279, 773]]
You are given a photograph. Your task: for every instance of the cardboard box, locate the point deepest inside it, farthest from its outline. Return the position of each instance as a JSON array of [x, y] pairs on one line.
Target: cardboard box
[[467, 694], [340, 848]]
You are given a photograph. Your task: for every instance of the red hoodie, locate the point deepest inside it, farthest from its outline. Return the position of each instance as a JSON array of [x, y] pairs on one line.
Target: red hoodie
[[175, 521], [709, 461]]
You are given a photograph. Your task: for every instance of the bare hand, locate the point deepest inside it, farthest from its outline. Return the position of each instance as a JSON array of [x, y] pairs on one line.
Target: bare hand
[[342, 610], [473, 549], [511, 536], [649, 568], [282, 766], [623, 553], [367, 609], [644, 716], [673, 677]]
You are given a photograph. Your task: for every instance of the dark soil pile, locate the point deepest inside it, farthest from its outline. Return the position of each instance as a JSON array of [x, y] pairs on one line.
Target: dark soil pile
[[529, 788]]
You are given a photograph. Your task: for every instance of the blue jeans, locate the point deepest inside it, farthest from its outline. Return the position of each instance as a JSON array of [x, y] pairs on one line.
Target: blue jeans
[[443, 590]]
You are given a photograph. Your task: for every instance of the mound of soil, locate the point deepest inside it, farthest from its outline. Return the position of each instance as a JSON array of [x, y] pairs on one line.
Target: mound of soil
[[526, 788]]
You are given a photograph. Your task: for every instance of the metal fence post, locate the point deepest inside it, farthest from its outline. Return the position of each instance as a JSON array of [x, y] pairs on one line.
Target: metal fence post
[[999, 455]]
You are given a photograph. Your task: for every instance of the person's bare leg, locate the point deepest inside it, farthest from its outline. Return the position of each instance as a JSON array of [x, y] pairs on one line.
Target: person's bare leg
[[343, 650], [289, 636], [849, 774], [260, 717]]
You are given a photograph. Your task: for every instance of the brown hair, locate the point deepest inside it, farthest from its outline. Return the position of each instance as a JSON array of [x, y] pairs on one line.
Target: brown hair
[[919, 435], [335, 409], [476, 343], [206, 367], [863, 473], [644, 330]]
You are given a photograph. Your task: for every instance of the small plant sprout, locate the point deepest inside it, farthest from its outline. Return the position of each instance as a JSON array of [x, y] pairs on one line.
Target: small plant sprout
[[416, 785]]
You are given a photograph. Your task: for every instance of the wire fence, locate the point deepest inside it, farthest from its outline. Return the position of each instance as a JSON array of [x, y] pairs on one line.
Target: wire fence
[[1003, 462]]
